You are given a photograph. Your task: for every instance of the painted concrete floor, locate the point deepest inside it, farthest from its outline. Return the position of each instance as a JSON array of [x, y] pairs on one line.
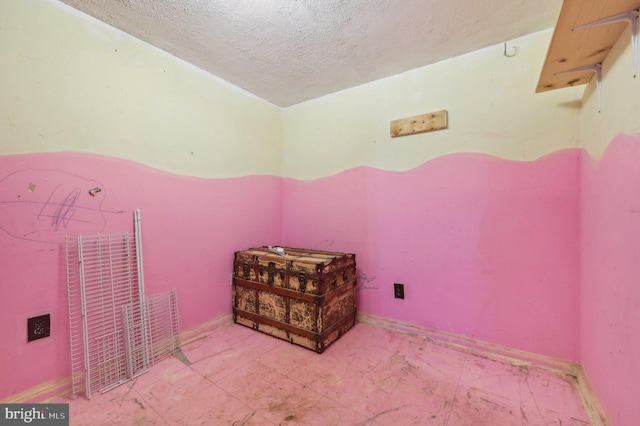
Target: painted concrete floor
[[370, 376]]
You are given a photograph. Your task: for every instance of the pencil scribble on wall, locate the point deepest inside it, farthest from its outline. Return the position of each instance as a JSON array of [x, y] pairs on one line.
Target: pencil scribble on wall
[[323, 245], [364, 281], [44, 205]]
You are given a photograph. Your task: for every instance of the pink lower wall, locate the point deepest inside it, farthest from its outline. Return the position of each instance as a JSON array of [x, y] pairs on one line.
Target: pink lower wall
[[486, 248], [610, 277], [190, 228]]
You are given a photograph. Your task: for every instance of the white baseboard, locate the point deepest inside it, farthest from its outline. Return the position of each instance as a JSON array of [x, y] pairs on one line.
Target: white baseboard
[[494, 351], [590, 400], [59, 388], [469, 344], [55, 389]]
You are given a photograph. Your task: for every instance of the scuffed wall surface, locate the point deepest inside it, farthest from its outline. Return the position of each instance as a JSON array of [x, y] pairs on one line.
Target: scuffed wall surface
[[480, 221], [610, 237], [610, 267], [71, 83], [485, 244], [486, 247], [190, 228], [85, 106], [492, 110]]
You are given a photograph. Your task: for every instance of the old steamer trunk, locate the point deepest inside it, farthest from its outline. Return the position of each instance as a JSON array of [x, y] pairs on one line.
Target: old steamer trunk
[[305, 296]]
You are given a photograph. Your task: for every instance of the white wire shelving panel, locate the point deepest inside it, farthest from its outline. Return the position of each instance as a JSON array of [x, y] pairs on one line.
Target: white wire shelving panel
[[116, 332]]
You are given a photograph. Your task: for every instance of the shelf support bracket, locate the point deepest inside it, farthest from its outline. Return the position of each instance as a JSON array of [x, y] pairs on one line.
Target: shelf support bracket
[[632, 18], [597, 68]]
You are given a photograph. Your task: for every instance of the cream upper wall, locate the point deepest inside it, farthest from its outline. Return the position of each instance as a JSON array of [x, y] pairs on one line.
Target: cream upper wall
[[620, 110], [71, 83], [492, 109]]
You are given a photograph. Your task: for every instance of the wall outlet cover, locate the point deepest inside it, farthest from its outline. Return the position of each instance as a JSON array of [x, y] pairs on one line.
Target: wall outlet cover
[[398, 291], [38, 327]]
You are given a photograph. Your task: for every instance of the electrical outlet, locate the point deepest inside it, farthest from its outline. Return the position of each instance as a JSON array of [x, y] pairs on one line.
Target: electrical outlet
[[398, 291], [38, 327]]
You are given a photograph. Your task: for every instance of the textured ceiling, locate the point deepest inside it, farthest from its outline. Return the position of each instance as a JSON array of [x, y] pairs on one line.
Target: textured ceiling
[[289, 51]]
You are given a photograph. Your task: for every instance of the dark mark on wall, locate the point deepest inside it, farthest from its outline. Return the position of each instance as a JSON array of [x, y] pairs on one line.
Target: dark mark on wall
[[64, 211], [60, 205], [323, 245], [363, 280]]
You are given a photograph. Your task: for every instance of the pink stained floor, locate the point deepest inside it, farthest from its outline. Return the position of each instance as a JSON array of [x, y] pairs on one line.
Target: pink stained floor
[[370, 376]]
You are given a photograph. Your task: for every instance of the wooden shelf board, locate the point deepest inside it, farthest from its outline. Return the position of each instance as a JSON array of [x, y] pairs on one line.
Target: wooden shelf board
[[574, 49]]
